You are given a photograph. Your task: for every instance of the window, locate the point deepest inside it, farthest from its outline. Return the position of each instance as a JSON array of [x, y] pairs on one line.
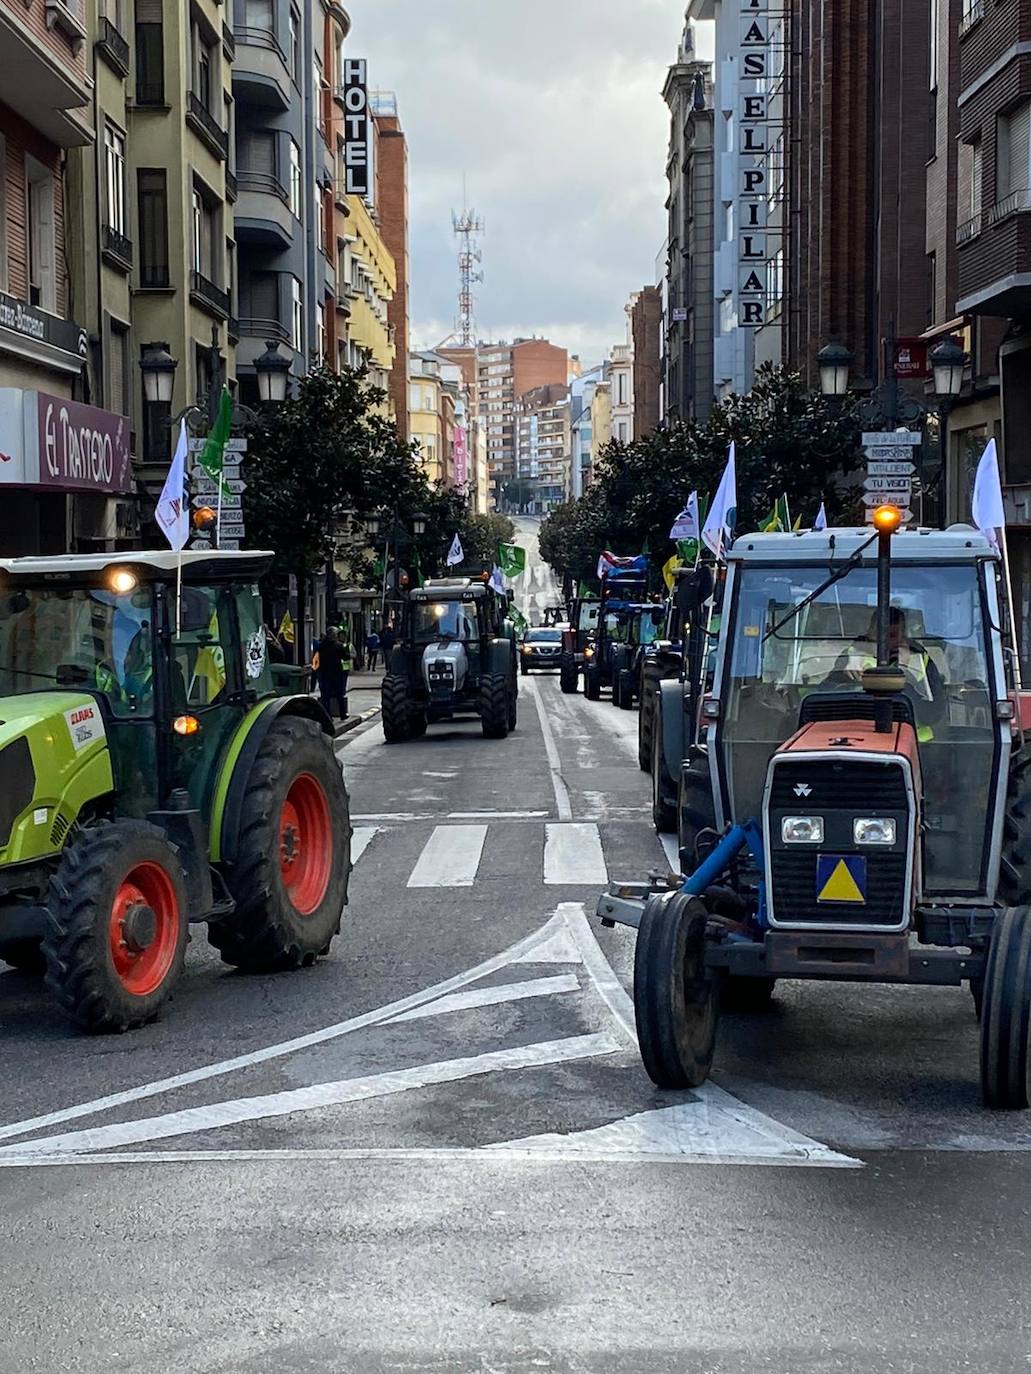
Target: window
[[414, 397], [935, 22], [114, 173], [1013, 158], [259, 15], [116, 395], [296, 316], [623, 398], [322, 213], [294, 52], [197, 234], [39, 199], [150, 53], [976, 167], [207, 239], [932, 287], [969, 181], [338, 58], [320, 325], [295, 179], [152, 201], [204, 82]]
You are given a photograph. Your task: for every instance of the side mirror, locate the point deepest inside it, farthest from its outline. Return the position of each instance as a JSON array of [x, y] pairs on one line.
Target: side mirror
[[694, 589]]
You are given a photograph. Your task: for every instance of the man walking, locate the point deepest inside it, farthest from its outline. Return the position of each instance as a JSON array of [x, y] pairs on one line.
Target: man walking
[[387, 640], [372, 647], [334, 665]]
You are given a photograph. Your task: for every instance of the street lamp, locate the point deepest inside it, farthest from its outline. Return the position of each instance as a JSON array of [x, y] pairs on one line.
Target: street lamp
[[419, 522], [158, 368], [272, 371], [373, 524], [949, 363], [834, 361]]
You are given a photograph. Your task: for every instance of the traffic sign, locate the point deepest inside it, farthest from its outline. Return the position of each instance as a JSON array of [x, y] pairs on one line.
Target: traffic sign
[[907, 438], [878, 469], [229, 544], [230, 501], [230, 472], [888, 484], [894, 498], [232, 445], [231, 529]]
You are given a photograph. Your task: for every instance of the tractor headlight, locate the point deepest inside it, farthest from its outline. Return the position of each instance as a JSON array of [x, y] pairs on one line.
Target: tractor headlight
[[802, 830], [874, 830]]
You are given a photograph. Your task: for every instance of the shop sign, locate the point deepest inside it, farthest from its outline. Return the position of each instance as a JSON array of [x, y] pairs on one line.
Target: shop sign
[[81, 448], [356, 127]]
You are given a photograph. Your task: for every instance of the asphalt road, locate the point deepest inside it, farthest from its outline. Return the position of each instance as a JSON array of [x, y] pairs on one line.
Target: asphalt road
[[437, 1150]]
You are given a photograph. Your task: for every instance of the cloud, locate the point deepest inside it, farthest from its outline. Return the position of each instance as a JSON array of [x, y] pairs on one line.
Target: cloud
[[552, 111]]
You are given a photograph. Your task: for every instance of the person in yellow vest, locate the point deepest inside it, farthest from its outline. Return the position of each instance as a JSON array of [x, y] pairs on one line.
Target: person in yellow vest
[[924, 681], [332, 664]]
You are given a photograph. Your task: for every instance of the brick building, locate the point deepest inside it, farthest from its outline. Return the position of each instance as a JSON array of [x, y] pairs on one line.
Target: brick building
[[645, 330], [392, 203], [506, 371]]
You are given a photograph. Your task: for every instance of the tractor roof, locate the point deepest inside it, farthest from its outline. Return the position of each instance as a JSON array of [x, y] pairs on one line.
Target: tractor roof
[[957, 544], [159, 565], [451, 589]]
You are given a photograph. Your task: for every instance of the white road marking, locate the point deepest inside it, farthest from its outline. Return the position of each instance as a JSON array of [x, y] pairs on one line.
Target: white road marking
[[558, 784], [539, 939], [216, 1115], [495, 815], [559, 948], [573, 856], [450, 857], [492, 996], [361, 839]]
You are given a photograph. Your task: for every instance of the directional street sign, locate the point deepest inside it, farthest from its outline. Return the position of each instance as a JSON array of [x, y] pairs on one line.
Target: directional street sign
[[892, 498], [229, 500], [229, 544], [881, 438], [888, 452], [888, 484], [232, 445], [879, 469], [231, 530], [231, 473]]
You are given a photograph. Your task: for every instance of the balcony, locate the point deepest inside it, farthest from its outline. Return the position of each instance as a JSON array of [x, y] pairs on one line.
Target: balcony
[[232, 190], [973, 13], [116, 248], [262, 214], [251, 327], [260, 72], [995, 259], [112, 47], [228, 42], [209, 296], [69, 16], [206, 127], [48, 94]]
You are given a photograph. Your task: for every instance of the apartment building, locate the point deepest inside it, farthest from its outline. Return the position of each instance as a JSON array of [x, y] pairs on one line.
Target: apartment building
[[64, 429], [621, 376], [430, 407], [543, 439], [505, 372]]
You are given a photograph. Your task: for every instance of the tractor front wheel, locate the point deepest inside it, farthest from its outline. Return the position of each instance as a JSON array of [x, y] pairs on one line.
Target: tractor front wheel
[[118, 926], [289, 878], [495, 711], [676, 1001], [568, 677], [1006, 1013], [592, 684], [397, 718]]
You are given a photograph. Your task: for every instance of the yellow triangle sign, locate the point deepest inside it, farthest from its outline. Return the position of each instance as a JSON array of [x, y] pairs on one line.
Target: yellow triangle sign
[[841, 886]]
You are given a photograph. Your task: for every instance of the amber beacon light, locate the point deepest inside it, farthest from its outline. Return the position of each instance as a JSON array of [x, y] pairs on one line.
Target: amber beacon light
[[887, 519]]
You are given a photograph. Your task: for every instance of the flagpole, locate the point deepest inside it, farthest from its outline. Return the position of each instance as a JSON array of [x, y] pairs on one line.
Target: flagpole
[[179, 594], [218, 516]]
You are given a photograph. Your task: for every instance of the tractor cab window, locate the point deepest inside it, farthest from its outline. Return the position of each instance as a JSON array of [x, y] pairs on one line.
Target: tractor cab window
[[937, 636], [81, 638], [588, 618], [444, 620], [649, 627], [201, 648]]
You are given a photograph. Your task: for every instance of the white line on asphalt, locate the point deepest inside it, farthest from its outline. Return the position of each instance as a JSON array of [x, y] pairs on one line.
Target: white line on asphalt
[[448, 816], [538, 939], [573, 856], [217, 1115], [558, 784], [362, 837], [450, 857], [492, 996]]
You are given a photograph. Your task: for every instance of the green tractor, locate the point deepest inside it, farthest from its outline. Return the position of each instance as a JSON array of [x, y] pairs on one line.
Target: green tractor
[[456, 656], [151, 778]]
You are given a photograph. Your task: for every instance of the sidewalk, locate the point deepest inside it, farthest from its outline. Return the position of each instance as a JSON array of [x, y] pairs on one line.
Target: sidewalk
[[362, 700]]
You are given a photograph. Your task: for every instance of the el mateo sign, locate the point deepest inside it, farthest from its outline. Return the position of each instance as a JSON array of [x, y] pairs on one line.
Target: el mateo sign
[[61, 445]]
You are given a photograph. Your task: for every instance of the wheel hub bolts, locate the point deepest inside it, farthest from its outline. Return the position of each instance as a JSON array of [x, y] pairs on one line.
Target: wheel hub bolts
[[139, 928]]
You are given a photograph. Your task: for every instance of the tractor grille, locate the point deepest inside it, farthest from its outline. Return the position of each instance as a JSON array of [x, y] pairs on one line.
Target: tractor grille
[[863, 788], [17, 785], [59, 830], [793, 874]]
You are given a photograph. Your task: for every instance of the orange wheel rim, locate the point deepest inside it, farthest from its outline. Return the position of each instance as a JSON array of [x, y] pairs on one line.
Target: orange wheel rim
[[305, 844], [144, 929]]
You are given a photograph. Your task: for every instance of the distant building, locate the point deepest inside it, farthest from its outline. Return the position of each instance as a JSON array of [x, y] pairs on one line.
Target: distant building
[[543, 444], [582, 447], [646, 325], [507, 371], [392, 204], [621, 377], [427, 414]]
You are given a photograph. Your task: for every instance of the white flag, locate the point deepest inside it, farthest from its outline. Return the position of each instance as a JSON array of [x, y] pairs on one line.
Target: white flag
[[685, 526], [497, 579], [820, 523], [722, 517], [456, 553], [986, 505], [173, 510]]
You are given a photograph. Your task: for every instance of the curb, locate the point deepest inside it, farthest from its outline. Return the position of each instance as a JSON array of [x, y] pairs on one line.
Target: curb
[[345, 727]]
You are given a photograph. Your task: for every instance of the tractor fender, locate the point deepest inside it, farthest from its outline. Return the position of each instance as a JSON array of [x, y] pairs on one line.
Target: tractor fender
[[670, 701], [244, 747], [500, 658]]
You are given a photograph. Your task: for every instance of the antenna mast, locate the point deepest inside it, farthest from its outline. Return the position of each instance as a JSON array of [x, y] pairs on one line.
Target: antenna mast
[[467, 226]]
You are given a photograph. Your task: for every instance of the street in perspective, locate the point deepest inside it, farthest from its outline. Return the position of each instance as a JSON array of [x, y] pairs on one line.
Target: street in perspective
[[515, 776]]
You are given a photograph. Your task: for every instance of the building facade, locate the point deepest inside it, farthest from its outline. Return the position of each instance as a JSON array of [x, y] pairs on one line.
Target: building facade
[[646, 332], [505, 372], [543, 445], [426, 414], [621, 375], [392, 205]]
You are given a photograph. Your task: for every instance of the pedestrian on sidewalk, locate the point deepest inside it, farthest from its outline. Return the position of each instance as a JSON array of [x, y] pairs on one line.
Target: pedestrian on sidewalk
[[332, 667], [387, 640], [372, 648]]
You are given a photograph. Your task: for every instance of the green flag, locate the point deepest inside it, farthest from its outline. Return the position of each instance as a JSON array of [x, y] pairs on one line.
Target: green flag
[[688, 549], [583, 592], [518, 619], [779, 519], [511, 559], [212, 455]]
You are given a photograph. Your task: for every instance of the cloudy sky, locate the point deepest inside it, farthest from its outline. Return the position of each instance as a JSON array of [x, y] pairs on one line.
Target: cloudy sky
[[553, 111]]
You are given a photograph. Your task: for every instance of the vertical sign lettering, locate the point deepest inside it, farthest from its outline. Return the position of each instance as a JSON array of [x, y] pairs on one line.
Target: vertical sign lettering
[[760, 179], [356, 127]]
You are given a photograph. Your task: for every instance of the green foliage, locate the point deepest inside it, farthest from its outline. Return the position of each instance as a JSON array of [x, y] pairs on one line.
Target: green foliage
[[788, 440]]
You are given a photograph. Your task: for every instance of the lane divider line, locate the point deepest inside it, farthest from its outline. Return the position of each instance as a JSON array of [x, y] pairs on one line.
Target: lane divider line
[[558, 782]]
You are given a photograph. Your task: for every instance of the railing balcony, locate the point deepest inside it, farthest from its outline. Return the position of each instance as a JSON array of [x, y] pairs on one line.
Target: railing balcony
[[117, 247], [204, 123], [1013, 204], [228, 42], [253, 327], [973, 13], [205, 293], [264, 183], [969, 229], [253, 37], [113, 48]]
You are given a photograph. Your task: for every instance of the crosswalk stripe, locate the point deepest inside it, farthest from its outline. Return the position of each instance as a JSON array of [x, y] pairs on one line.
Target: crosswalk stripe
[[450, 857], [362, 837], [573, 856]]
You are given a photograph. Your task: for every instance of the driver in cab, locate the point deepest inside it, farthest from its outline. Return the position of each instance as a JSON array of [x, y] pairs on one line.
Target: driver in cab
[[924, 680]]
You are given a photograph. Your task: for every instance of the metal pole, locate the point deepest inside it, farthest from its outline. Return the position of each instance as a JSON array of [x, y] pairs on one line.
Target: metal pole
[[883, 597]]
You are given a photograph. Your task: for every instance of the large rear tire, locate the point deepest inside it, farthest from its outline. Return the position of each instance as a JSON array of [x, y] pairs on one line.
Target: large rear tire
[[289, 880], [494, 706], [592, 684], [664, 810], [676, 1000], [1006, 1013], [568, 677], [118, 926], [397, 713], [1015, 866], [695, 811], [625, 686]]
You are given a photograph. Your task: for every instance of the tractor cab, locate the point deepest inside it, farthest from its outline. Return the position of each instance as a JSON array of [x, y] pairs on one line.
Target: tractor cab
[[623, 593], [642, 627], [583, 625]]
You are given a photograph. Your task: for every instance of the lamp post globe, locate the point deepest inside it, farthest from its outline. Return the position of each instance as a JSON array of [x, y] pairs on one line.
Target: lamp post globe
[[834, 362], [158, 368], [273, 371], [948, 362]]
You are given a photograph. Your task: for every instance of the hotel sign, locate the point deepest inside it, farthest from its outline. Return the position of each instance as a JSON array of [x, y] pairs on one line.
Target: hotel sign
[[356, 127], [760, 120]]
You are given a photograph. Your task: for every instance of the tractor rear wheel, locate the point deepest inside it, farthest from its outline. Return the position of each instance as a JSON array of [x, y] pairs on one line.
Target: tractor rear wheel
[[118, 926], [24, 955], [646, 723], [494, 706], [676, 1000], [1015, 865], [397, 715], [568, 676], [592, 684], [1006, 1013], [694, 807], [625, 684], [289, 879], [664, 811]]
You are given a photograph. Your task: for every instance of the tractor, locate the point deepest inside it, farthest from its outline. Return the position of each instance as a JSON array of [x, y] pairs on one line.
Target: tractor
[[153, 779], [455, 656], [642, 626], [583, 621], [662, 661], [622, 596], [857, 803]]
